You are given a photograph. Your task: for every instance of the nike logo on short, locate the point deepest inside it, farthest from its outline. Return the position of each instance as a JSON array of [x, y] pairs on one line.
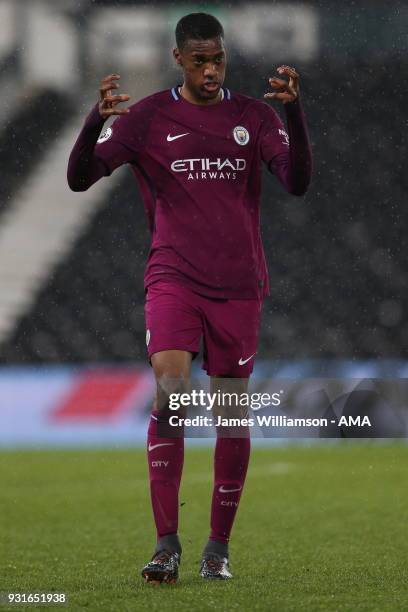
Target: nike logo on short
[[244, 361], [153, 446], [171, 138], [222, 489]]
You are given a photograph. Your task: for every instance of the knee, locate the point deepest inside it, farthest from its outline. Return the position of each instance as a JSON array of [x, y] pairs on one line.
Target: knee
[[169, 386]]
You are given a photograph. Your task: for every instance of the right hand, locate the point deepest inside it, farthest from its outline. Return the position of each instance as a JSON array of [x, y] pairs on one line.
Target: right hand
[[108, 102]]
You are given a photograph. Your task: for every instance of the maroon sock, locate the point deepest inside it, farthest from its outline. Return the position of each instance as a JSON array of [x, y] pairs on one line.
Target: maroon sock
[[165, 456], [231, 460]]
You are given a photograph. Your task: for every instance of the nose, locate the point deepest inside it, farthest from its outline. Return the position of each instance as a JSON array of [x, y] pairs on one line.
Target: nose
[[210, 70]]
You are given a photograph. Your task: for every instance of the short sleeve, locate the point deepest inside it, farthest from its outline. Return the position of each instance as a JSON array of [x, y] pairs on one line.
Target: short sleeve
[[126, 138], [274, 137]]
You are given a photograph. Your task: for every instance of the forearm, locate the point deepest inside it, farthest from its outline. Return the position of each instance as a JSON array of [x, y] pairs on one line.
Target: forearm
[[294, 169], [84, 168]]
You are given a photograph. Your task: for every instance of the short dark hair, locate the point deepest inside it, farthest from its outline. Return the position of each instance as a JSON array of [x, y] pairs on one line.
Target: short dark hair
[[197, 26]]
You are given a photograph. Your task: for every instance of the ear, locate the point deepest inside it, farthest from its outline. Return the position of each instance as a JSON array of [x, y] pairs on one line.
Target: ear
[[177, 56]]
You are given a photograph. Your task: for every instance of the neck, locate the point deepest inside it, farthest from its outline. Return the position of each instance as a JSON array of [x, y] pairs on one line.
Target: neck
[[187, 95]]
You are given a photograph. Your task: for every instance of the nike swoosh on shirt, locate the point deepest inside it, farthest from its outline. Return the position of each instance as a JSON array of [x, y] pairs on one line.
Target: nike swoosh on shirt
[[222, 489], [170, 138], [153, 446], [244, 361]]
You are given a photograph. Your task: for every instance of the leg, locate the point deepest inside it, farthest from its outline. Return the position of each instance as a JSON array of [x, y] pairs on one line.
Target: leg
[[173, 338], [231, 458], [231, 334], [165, 448]]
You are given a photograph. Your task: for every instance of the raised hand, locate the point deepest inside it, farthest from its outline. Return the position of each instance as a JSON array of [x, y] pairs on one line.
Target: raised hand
[[285, 91], [108, 102]]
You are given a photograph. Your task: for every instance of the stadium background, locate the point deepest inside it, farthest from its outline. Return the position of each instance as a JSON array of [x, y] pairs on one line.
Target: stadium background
[[71, 265], [72, 335]]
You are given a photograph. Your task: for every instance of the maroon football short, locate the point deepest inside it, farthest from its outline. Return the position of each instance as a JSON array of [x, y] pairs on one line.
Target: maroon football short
[[178, 318]]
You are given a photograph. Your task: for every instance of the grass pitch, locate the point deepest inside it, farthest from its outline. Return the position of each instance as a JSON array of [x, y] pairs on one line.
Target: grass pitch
[[319, 528]]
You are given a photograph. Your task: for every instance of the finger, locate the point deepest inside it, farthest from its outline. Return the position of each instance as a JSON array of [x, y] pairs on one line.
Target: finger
[[111, 77], [277, 83], [106, 87], [282, 96], [116, 111], [114, 104], [285, 68], [282, 86], [117, 99], [288, 70]]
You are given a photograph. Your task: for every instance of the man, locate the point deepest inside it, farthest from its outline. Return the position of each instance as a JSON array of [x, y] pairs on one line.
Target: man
[[197, 151]]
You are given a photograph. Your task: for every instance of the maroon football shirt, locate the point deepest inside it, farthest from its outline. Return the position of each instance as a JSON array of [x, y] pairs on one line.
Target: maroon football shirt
[[199, 172]]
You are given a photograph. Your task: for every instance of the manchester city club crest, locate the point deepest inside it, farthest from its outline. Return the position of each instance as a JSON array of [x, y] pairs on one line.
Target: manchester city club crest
[[105, 136], [241, 135]]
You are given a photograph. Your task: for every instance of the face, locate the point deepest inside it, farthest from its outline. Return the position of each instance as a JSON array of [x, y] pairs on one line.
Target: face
[[204, 63]]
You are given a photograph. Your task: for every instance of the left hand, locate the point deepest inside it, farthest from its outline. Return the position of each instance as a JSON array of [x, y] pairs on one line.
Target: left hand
[[285, 91]]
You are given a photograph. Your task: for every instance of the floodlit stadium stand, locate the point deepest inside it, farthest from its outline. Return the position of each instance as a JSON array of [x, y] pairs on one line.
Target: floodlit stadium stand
[[92, 306], [25, 135]]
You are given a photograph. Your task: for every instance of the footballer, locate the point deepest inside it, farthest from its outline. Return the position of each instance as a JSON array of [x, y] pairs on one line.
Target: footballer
[[196, 151]]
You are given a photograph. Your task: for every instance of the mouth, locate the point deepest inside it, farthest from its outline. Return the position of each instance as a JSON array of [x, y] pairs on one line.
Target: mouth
[[211, 86]]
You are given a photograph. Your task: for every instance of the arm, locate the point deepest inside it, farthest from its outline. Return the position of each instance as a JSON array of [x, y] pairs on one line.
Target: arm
[[84, 168], [86, 165], [289, 157]]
